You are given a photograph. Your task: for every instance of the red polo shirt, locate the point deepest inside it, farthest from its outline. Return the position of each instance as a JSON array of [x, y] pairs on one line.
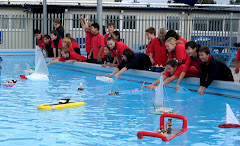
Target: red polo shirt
[[70, 48], [159, 52], [179, 53], [59, 44], [119, 48], [88, 41], [182, 39], [41, 43], [190, 73], [105, 38], [97, 42], [238, 55], [192, 62], [74, 56], [75, 44]]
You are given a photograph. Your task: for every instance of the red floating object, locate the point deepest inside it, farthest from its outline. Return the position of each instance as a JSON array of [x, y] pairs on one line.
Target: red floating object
[[142, 134], [23, 77], [228, 125]]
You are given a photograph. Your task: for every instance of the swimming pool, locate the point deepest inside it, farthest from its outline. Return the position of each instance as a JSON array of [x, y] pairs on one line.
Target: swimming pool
[[104, 120]]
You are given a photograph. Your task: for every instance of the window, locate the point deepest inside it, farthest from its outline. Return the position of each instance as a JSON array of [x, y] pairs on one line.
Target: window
[[215, 24], [12, 22], [235, 24], [129, 22], [200, 24], [173, 23]]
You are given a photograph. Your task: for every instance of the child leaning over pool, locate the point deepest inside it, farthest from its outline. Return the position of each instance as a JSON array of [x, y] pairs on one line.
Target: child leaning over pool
[[173, 71], [70, 56], [110, 58]]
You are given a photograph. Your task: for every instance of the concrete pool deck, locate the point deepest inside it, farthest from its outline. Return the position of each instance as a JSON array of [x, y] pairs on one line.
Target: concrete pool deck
[[229, 89]]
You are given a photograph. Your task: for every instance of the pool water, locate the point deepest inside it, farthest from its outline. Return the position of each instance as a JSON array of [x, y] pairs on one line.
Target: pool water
[[104, 120]]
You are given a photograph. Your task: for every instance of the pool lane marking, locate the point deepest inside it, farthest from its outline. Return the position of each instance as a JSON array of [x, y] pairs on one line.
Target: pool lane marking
[[194, 90]]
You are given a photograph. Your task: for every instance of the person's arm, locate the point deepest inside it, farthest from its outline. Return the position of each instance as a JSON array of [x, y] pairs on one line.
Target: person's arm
[[54, 61], [120, 72], [72, 60], [110, 74], [150, 56], [237, 67], [170, 79], [59, 53], [152, 86], [82, 23], [86, 24], [41, 49], [182, 75], [100, 53], [54, 53]]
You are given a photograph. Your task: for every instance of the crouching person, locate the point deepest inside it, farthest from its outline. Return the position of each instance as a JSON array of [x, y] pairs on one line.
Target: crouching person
[[131, 60], [212, 69], [173, 71], [70, 56]]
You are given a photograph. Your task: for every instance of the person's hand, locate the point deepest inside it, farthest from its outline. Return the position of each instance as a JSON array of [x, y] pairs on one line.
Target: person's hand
[[151, 59], [48, 63], [85, 19], [81, 17], [70, 61], [200, 91], [237, 70], [104, 65], [151, 87], [116, 75], [109, 74], [177, 89], [89, 56], [99, 58]]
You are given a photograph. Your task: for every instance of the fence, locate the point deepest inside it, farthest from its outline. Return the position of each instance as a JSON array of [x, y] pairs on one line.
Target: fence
[[16, 30]]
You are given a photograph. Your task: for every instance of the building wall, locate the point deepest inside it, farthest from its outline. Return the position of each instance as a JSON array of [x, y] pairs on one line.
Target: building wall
[[16, 26]]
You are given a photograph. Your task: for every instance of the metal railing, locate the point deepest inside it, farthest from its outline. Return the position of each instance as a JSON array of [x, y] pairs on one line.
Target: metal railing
[[16, 30]]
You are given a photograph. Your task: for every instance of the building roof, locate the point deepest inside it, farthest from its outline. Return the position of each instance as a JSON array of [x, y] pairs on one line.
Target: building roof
[[110, 4]]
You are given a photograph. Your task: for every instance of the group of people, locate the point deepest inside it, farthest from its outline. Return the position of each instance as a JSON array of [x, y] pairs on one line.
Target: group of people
[[180, 57]]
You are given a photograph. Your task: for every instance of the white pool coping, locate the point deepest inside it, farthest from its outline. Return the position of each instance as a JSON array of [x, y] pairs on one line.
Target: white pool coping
[[230, 89]]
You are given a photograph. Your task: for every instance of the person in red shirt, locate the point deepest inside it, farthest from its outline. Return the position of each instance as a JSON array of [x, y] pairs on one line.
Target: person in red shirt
[[48, 48], [176, 49], [150, 33], [66, 43], [39, 37], [117, 48], [70, 56], [173, 33], [238, 60], [97, 45], [56, 43], [157, 50], [75, 45], [173, 71], [111, 28], [193, 63], [89, 36]]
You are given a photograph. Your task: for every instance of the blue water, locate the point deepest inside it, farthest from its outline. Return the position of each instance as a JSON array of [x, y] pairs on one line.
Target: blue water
[[104, 120]]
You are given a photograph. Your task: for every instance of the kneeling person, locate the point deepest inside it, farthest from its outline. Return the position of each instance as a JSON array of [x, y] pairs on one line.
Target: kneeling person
[[70, 56], [212, 69]]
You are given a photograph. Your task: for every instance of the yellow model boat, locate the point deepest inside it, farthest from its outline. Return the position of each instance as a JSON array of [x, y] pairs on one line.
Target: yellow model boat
[[56, 106]]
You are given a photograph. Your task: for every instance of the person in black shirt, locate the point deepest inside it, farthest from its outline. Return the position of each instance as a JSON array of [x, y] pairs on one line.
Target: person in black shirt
[[212, 69], [132, 60], [58, 26], [48, 48]]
